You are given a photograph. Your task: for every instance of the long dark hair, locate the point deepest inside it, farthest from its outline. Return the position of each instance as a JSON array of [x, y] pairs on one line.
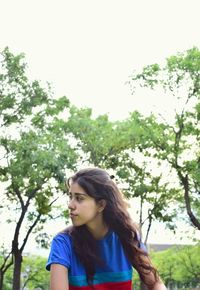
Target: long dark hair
[[97, 183]]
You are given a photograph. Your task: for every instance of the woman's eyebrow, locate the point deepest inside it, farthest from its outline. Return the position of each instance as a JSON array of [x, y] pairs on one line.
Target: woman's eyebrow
[[77, 193]]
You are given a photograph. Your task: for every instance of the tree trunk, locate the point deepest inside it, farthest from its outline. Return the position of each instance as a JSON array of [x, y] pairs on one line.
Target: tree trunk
[[185, 183], [17, 270], [4, 267], [148, 230], [1, 279]]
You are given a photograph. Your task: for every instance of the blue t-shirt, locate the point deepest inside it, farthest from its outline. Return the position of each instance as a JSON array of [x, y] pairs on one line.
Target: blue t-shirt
[[116, 274]]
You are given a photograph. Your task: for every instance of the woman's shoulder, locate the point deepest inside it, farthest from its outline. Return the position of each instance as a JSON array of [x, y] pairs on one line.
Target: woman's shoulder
[[64, 235]]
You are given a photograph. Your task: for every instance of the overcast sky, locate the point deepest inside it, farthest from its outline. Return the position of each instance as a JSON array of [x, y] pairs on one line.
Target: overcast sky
[[88, 49]]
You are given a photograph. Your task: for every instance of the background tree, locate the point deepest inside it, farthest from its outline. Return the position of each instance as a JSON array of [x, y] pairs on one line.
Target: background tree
[[97, 139], [179, 265], [113, 145], [143, 176], [36, 151], [51, 137], [33, 275], [189, 272], [177, 143], [167, 263]]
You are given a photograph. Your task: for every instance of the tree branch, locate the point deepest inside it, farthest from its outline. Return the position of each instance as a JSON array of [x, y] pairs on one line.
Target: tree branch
[[4, 267], [192, 217], [148, 229], [32, 227], [28, 232]]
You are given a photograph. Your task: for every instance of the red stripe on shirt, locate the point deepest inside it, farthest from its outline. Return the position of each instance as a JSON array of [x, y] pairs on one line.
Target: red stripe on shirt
[[127, 285]]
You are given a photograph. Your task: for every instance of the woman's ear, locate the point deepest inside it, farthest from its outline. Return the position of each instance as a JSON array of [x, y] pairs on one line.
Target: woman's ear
[[102, 205]]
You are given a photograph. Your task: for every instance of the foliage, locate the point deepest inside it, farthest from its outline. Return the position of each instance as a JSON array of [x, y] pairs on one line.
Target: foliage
[[111, 145], [153, 161], [96, 139], [143, 175], [177, 143], [33, 275], [36, 152], [179, 265]]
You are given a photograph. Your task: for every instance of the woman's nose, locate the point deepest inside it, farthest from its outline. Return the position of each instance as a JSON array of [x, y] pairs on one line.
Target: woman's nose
[[71, 204]]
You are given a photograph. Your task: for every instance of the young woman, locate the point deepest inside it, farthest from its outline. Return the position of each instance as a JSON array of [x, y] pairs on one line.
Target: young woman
[[101, 248]]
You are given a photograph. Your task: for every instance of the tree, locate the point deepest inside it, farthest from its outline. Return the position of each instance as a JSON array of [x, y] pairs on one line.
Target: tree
[[112, 145], [35, 157], [97, 139], [167, 264], [34, 274], [177, 143], [188, 257], [179, 265], [143, 175]]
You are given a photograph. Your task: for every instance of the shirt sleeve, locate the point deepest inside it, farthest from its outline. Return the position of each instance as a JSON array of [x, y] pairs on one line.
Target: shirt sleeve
[[143, 247], [60, 252], [141, 244]]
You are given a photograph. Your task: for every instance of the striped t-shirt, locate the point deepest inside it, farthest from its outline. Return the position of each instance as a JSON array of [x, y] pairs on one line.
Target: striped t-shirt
[[116, 273]]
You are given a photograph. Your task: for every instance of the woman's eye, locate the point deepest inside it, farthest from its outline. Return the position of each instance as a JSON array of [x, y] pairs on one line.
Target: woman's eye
[[79, 198]]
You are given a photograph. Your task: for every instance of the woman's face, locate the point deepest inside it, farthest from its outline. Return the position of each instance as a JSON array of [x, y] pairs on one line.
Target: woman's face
[[84, 210]]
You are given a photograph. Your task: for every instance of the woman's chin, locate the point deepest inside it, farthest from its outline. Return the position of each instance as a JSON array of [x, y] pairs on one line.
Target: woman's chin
[[76, 223]]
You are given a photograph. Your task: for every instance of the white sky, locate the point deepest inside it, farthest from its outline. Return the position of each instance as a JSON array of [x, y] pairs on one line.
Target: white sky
[[88, 49]]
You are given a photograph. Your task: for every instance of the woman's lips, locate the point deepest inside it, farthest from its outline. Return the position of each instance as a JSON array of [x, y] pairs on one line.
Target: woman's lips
[[73, 215]]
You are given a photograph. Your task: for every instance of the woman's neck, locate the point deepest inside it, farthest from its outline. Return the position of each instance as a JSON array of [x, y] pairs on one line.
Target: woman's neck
[[98, 230]]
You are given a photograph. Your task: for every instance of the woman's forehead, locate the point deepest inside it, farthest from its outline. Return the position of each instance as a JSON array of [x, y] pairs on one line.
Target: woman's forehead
[[76, 188]]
